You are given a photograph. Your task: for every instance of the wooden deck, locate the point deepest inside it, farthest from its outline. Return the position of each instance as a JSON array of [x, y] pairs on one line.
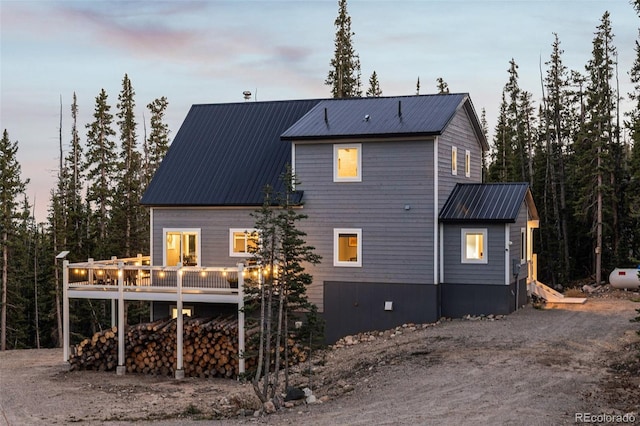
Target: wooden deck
[[135, 279]]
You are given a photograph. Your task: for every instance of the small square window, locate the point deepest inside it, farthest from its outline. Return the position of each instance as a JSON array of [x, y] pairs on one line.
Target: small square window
[[242, 242], [474, 246], [347, 247], [347, 163], [454, 160], [467, 163]]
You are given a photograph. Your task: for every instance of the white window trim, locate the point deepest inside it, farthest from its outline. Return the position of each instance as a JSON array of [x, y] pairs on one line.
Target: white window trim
[[454, 161], [463, 245], [182, 230], [336, 234], [357, 178], [231, 232], [467, 163]]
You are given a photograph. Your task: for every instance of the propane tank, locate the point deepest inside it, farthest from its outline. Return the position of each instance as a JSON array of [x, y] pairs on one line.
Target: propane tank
[[625, 278]]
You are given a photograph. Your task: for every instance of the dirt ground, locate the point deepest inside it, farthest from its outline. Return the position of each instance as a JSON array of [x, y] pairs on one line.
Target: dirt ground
[[535, 366]]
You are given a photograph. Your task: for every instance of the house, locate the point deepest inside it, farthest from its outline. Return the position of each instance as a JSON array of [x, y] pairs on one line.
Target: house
[[393, 190]]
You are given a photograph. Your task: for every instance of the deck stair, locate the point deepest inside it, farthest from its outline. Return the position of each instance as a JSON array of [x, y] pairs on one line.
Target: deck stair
[[550, 295]]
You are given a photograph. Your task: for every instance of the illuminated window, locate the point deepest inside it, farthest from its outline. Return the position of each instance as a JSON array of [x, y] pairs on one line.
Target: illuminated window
[[467, 163], [454, 160], [347, 247], [182, 246], [347, 161], [474, 246], [186, 310], [242, 242]]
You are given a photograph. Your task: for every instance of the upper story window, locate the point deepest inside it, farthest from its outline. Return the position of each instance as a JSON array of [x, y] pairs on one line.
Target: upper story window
[[454, 160], [182, 246], [347, 163], [242, 242], [467, 163], [347, 247], [474, 245]]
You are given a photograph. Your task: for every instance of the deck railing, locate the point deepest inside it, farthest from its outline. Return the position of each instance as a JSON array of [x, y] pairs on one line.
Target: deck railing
[[135, 279]]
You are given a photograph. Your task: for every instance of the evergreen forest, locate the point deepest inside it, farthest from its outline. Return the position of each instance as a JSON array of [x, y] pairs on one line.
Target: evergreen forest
[[568, 139]]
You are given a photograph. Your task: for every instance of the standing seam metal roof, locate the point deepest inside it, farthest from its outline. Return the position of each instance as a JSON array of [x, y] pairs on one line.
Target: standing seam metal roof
[[488, 202], [381, 116], [225, 154]]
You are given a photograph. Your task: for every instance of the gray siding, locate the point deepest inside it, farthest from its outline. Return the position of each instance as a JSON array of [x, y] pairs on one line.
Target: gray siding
[[515, 253], [456, 272], [214, 224], [459, 133], [397, 244]]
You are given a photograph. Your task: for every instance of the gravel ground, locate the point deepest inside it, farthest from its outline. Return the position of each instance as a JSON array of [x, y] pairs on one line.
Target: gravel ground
[[535, 366]]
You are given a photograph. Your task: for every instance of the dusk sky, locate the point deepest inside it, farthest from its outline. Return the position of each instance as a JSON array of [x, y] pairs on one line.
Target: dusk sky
[[211, 51]]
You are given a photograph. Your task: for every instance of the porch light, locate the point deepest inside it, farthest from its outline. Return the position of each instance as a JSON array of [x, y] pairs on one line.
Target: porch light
[[99, 272], [161, 274], [203, 274], [224, 272]]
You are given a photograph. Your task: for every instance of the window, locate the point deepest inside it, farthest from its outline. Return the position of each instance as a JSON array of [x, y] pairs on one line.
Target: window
[[523, 245], [182, 246], [347, 162], [347, 247], [186, 310], [467, 163], [454, 160], [474, 245], [242, 242]]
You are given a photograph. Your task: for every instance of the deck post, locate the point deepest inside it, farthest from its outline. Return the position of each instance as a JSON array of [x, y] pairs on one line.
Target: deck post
[[241, 344], [179, 327], [65, 310], [121, 368]]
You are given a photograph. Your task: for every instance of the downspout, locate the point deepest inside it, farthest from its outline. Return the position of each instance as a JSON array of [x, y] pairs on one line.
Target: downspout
[[436, 233]]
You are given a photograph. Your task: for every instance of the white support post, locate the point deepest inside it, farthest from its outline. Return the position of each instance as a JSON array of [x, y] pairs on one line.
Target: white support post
[[121, 368], [180, 327], [65, 310], [241, 344]]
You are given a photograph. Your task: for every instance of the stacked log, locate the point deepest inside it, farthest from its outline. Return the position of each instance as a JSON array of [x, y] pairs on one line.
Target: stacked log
[[210, 349]]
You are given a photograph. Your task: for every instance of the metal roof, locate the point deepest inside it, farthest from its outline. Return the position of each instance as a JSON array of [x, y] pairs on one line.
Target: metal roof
[[487, 202], [423, 115], [225, 154]]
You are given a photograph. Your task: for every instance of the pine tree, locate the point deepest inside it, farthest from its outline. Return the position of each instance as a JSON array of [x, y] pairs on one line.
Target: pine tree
[[441, 86], [127, 230], [157, 144], [101, 165], [282, 253], [11, 186], [374, 86], [631, 215], [598, 153], [344, 75], [555, 130]]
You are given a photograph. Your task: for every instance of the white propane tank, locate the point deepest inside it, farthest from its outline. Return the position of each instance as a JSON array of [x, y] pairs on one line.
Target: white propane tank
[[625, 278]]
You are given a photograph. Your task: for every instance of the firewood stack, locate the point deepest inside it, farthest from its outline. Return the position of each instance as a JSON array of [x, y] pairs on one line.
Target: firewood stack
[[210, 349]]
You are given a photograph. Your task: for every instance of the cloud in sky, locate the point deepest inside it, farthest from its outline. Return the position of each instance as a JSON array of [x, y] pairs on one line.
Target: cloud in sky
[[211, 51]]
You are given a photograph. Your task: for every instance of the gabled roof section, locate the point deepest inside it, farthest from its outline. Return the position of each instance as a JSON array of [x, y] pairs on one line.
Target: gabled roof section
[[487, 202], [224, 154], [397, 116]]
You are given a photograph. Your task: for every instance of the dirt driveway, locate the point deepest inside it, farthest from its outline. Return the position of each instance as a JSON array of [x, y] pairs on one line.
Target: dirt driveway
[[536, 366]]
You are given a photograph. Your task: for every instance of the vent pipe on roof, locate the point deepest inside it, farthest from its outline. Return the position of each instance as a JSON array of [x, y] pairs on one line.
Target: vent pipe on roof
[[400, 109], [326, 116]]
